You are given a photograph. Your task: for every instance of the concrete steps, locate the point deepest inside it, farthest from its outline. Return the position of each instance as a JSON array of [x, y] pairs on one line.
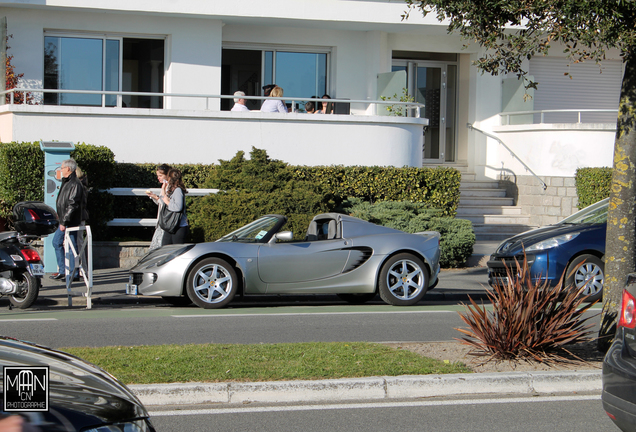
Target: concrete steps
[[492, 213]]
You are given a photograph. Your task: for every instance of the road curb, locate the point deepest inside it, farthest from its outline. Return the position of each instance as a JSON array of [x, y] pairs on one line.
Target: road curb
[[371, 388]]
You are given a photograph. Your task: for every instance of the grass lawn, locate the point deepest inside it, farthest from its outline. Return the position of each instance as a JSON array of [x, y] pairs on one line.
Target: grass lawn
[[260, 362]]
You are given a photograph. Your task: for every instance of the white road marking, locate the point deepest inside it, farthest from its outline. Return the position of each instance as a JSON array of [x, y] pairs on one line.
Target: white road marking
[[309, 313], [410, 404], [18, 320]]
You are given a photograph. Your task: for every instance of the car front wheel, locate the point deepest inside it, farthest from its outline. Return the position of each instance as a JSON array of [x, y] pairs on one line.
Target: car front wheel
[[403, 280], [212, 283], [588, 271]]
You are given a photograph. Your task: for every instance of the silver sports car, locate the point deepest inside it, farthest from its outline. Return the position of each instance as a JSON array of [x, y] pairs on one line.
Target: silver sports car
[[340, 255]]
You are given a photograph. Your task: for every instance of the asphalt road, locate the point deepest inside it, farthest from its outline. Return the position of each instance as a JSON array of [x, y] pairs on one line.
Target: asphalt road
[[564, 413]]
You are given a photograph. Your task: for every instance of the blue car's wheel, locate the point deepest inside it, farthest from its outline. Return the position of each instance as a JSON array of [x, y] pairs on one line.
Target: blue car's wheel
[[403, 280], [212, 283], [587, 272]]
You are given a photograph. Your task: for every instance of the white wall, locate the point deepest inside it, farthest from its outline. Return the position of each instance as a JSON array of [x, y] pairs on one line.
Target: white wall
[[140, 135]]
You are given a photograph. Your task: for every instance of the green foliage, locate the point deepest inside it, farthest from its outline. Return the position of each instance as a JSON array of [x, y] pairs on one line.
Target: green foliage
[[21, 175], [214, 216], [457, 236], [530, 320], [398, 110], [592, 185], [22, 178], [436, 187]]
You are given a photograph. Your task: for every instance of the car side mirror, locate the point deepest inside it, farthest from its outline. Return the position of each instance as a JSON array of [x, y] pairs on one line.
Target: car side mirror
[[282, 236]]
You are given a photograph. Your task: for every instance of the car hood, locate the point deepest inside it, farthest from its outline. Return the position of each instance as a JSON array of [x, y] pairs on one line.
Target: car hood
[[516, 244], [76, 385]]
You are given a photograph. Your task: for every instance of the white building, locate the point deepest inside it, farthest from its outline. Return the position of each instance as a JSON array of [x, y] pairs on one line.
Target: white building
[[191, 51]]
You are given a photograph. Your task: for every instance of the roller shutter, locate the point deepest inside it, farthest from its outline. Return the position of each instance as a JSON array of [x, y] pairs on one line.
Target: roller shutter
[[588, 88]]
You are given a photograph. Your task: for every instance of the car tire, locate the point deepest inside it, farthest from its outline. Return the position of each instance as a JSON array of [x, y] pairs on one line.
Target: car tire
[[589, 268], [357, 298], [28, 289], [178, 301], [403, 280], [212, 283]]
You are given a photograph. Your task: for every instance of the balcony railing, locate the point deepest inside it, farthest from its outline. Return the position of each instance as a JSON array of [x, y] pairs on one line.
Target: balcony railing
[[506, 116], [413, 108]]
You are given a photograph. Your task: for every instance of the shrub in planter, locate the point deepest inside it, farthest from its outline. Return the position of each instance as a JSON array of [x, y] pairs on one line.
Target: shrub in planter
[[457, 236], [529, 320]]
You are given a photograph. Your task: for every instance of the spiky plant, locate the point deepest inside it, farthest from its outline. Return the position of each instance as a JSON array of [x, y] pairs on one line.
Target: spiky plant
[[529, 320]]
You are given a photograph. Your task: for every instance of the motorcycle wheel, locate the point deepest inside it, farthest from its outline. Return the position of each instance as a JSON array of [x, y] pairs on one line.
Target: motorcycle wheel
[[28, 289]]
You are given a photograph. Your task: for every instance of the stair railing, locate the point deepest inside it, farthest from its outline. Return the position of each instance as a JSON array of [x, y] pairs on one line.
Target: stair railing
[[496, 138]]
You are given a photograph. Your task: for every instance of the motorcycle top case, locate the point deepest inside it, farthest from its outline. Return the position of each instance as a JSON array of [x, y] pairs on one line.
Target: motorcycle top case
[[34, 218]]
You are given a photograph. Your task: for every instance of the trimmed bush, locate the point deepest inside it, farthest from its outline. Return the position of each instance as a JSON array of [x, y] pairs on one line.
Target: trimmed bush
[[592, 185], [457, 236], [436, 187]]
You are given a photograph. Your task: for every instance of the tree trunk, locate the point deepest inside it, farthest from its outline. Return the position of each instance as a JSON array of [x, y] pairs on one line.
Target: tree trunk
[[620, 257]]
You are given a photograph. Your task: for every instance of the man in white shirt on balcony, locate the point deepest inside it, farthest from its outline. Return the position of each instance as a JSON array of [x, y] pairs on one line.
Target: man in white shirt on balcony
[[239, 103]]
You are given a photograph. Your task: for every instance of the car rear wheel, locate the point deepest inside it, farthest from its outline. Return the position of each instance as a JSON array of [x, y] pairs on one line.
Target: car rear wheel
[[357, 298], [403, 280], [589, 271], [212, 283]]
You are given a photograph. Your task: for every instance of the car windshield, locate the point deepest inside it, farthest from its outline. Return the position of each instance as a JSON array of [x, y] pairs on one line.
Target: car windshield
[[596, 213], [252, 232]]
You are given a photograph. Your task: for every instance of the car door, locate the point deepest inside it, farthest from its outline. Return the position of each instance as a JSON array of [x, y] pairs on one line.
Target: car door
[[302, 261]]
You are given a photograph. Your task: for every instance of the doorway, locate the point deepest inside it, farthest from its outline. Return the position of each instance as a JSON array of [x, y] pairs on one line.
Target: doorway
[[434, 84]]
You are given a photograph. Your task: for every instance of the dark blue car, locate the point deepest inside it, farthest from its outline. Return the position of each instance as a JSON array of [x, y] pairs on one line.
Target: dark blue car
[[573, 247]]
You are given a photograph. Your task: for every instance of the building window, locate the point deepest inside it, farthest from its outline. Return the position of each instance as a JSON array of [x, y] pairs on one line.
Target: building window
[[103, 64], [300, 74]]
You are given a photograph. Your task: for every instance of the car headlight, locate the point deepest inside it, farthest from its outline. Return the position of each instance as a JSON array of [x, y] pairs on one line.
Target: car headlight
[[552, 242], [132, 426]]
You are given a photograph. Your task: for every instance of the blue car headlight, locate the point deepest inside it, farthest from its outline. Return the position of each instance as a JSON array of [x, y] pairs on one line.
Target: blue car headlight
[[552, 242]]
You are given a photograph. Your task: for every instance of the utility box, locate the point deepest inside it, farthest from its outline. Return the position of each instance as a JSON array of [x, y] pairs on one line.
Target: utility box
[[55, 152]]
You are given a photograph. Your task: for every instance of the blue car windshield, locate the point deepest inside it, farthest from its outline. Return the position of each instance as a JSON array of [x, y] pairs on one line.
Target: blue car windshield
[[596, 213], [252, 232]]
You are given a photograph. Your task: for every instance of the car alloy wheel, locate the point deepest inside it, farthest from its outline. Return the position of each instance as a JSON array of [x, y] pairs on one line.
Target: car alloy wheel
[[587, 271], [211, 283], [403, 280]]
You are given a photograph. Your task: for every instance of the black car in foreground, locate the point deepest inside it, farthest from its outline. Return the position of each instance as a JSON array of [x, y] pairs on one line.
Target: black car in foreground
[[54, 391], [619, 365]]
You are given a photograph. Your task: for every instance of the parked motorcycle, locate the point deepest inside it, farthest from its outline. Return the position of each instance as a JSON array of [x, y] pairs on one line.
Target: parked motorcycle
[[21, 268]]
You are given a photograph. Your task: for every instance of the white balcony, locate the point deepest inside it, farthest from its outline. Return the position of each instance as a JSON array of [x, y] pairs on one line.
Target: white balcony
[[205, 136]]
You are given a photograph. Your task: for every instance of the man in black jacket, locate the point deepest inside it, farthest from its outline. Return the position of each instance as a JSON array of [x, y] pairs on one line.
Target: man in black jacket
[[70, 202]]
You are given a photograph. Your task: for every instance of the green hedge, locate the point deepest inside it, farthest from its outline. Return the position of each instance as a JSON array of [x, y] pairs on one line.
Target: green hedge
[[436, 187], [592, 185], [457, 235], [22, 179], [254, 187]]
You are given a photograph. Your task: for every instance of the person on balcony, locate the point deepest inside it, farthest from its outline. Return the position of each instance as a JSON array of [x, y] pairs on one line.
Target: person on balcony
[[327, 107], [271, 105], [310, 108], [162, 177], [239, 103]]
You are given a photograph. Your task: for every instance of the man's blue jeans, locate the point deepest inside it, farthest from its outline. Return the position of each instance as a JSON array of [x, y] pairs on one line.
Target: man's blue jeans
[[58, 245]]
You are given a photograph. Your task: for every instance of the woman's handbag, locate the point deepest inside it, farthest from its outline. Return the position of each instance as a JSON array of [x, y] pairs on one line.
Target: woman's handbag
[[169, 220]]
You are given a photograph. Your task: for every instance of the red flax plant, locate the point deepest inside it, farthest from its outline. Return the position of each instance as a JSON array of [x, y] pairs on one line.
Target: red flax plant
[[12, 80], [530, 320]]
